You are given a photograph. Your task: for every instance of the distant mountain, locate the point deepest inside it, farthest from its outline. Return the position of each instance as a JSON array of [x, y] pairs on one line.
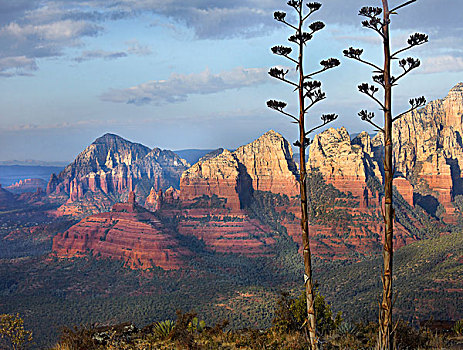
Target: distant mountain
[[33, 162], [260, 180], [193, 155], [110, 167], [10, 174], [27, 185], [428, 158]]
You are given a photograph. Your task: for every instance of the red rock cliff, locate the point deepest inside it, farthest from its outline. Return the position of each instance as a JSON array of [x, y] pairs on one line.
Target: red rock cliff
[[128, 233]]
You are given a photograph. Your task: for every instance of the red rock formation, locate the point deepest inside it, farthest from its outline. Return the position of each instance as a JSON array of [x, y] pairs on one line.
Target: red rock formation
[[218, 176], [428, 146], [265, 164], [269, 163], [344, 163], [128, 233], [111, 167], [226, 232], [52, 184], [154, 200], [171, 195], [405, 189], [351, 166]]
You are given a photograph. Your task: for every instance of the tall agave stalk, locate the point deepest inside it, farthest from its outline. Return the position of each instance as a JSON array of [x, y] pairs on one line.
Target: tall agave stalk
[[309, 93], [383, 77]]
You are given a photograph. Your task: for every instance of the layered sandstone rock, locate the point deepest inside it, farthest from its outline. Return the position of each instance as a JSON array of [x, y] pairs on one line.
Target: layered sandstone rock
[[227, 232], [129, 232], [269, 163], [344, 163], [154, 200], [404, 187], [265, 164], [220, 176], [428, 147], [111, 167]]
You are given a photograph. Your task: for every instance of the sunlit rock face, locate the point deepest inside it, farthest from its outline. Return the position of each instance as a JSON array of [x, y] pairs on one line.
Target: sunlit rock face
[[269, 163], [111, 167], [429, 149], [265, 164], [428, 155], [129, 233]]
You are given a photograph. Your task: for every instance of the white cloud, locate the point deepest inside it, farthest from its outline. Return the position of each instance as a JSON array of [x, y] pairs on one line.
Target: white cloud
[[107, 55], [135, 48], [44, 28], [446, 63], [178, 87], [56, 31], [19, 65]]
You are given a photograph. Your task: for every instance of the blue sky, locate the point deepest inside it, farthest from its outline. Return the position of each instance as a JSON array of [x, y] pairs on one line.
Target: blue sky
[[190, 74]]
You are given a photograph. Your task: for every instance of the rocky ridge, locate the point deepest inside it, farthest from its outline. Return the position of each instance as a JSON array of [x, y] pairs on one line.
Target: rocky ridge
[[111, 167], [216, 193], [27, 185], [265, 164]]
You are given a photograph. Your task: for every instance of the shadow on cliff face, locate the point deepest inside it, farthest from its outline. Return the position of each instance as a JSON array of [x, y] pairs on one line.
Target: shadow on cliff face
[[244, 186], [428, 203], [455, 171]]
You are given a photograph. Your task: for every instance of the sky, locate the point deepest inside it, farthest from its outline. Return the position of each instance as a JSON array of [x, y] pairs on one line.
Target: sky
[[193, 74]]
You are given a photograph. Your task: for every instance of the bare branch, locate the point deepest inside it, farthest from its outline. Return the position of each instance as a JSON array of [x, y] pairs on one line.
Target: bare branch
[[319, 98], [280, 17], [279, 106], [414, 103], [407, 65], [370, 12], [370, 90], [283, 51], [375, 24], [299, 38], [327, 64], [414, 40], [310, 85], [379, 79], [280, 75], [313, 6], [316, 26], [296, 4], [400, 6], [326, 118], [376, 126], [356, 55], [315, 128], [368, 116]]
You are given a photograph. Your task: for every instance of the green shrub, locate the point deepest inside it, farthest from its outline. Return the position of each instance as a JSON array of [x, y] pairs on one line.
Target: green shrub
[[163, 329], [12, 332], [291, 314]]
